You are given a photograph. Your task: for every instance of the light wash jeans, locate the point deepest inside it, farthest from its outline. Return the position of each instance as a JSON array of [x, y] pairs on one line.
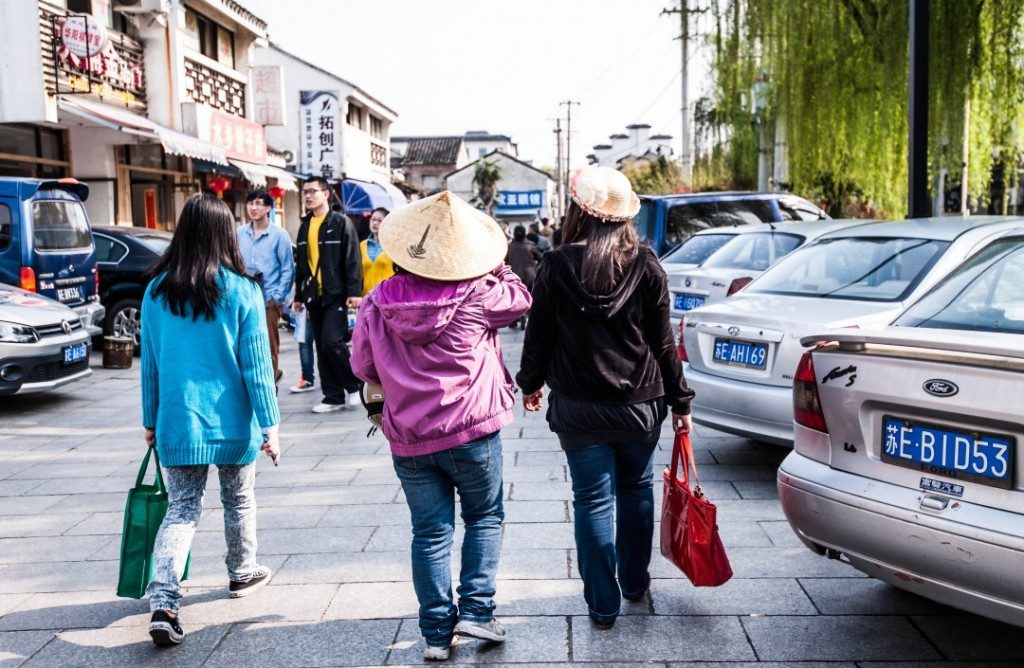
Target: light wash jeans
[[430, 482], [610, 479], [185, 488], [306, 359]]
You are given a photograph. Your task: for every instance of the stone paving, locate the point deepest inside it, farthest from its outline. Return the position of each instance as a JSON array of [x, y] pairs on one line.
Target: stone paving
[[334, 527]]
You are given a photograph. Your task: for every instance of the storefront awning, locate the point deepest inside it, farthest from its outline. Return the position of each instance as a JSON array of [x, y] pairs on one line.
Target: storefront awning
[[258, 174], [174, 142], [362, 197]]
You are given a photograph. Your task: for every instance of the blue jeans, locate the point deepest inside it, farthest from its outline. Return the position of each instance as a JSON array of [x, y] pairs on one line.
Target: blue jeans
[[430, 482], [607, 475], [306, 356]]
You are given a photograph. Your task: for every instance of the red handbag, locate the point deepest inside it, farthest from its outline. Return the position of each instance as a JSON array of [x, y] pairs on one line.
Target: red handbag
[[689, 533]]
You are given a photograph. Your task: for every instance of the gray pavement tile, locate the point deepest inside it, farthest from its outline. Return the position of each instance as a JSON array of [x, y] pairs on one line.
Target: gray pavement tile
[[538, 432], [9, 602], [397, 538], [964, 637], [49, 548], [933, 664], [75, 609], [30, 505], [328, 496], [58, 576], [383, 474], [211, 572], [737, 534], [510, 445], [373, 600], [291, 462], [23, 526], [539, 536], [16, 647], [273, 480], [781, 533], [847, 638], [273, 603], [522, 598], [756, 489], [529, 639], [715, 490], [536, 511], [771, 456], [96, 524], [789, 562], [768, 664], [776, 596], [346, 567], [534, 473], [365, 515], [748, 509], [518, 564], [663, 458], [353, 462], [327, 643], [551, 459], [52, 471], [111, 483], [17, 487], [541, 491], [126, 646], [644, 638], [867, 596], [730, 472], [98, 503], [267, 518]]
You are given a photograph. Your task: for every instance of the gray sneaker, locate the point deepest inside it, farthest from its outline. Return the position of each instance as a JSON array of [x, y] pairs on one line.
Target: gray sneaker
[[431, 653], [491, 631]]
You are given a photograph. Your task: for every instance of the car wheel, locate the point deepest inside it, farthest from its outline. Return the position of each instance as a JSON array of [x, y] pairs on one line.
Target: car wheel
[[125, 319]]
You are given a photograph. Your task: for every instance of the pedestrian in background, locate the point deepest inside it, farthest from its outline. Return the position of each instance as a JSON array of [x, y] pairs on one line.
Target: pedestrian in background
[[542, 243], [429, 337], [207, 398], [267, 251], [523, 257], [599, 336], [329, 279], [377, 265]]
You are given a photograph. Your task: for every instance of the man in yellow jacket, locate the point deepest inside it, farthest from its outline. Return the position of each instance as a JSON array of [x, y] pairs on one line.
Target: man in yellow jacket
[[377, 266]]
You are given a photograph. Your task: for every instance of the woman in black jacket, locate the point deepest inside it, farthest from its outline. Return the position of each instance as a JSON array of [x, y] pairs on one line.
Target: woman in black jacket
[[599, 336]]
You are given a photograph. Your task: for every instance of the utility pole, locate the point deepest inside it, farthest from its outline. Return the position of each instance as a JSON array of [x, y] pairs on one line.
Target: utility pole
[[558, 170], [685, 151], [568, 146]]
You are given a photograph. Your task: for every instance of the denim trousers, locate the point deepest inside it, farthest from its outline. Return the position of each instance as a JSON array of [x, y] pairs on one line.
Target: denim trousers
[[430, 482], [186, 486], [609, 480], [306, 360]]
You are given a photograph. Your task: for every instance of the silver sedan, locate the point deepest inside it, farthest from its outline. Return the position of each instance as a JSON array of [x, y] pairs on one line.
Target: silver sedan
[[742, 353], [906, 450]]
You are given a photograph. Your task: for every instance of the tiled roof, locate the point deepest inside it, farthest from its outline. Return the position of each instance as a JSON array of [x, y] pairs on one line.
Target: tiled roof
[[433, 151]]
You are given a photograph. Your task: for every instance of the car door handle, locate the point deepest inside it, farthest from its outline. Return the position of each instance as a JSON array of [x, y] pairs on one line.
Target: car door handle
[[930, 502]]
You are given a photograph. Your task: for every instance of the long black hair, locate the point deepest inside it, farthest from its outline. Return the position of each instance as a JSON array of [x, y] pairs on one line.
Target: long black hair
[[203, 242], [611, 246]]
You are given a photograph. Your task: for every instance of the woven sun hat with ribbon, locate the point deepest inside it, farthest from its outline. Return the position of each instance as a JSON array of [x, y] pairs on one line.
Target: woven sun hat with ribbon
[[604, 193], [444, 238]]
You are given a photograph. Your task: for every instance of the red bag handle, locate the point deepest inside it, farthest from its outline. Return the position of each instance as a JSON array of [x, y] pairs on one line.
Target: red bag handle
[[683, 449]]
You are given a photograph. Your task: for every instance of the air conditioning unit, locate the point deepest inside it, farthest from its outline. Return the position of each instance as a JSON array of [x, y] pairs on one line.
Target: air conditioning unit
[[126, 4]]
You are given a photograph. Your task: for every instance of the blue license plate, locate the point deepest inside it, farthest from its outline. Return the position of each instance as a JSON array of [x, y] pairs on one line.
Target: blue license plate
[[684, 302], [740, 353], [67, 295], [75, 353], [959, 454]]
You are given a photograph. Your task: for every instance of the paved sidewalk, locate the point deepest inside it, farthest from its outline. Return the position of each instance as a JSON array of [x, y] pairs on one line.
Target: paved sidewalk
[[334, 527]]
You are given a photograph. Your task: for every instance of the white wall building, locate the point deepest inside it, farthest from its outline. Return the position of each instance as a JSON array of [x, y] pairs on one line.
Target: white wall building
[[525, 193], [637, 143]]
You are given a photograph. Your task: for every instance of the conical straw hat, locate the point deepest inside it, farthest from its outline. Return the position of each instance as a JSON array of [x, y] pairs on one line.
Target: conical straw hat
[[444, 238]]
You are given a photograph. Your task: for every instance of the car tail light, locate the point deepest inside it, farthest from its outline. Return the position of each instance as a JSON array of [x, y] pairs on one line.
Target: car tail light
[[806, 402], [737, 285], [27, 279], [96, 279], [681, 346]]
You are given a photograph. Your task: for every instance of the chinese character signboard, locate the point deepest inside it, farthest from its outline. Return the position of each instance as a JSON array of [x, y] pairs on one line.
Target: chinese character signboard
[[242, 139], [520, 199], [268, 94], [320, 133]]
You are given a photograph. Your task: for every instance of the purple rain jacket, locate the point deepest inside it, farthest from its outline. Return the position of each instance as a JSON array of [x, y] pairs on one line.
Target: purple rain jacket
[[433, 346]]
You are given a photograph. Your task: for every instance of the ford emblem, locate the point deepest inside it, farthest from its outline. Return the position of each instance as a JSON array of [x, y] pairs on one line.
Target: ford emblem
[[734, 331], [688, 281], [940, 388]]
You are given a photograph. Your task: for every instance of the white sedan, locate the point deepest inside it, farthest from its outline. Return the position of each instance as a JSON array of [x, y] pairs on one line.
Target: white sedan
[[743, 258], [741, 354], [906, 458]]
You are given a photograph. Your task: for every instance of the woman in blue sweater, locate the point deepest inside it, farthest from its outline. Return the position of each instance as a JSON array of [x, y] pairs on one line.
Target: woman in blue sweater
[[207, 398]]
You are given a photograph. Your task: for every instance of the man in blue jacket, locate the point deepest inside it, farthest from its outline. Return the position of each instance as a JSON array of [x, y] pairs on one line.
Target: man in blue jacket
[[267, 251]]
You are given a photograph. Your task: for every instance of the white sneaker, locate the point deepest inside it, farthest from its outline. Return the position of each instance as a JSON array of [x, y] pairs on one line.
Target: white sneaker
[[354, 401], [431, 653], [327, 408], [491, 631]]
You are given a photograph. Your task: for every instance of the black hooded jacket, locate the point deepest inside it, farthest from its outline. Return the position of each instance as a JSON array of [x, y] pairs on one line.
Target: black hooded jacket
[[614, 349]]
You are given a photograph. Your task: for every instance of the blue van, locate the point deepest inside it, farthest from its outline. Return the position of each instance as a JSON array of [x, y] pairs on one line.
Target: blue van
[[46, 244], [665, 221]]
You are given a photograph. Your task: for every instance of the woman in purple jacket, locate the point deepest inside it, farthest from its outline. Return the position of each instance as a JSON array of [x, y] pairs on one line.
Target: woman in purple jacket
[[429, 337]]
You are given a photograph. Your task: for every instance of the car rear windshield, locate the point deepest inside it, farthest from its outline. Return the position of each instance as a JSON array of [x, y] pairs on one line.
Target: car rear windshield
[[756, 252], [986, 294], [688, 218], [153, 242], [863, 268], [696, 249], [60, 225]]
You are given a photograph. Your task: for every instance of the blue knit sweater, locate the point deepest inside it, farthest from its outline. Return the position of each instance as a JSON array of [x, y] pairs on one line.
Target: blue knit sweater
[[208, 385]]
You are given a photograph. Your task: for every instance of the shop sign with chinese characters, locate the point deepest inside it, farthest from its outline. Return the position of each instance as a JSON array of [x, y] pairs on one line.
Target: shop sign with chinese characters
[[320, 133], [89, 60], [520, 199], [242, 139], [268, 94]]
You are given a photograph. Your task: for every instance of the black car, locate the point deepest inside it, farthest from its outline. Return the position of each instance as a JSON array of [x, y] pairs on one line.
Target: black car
[[123, 256]]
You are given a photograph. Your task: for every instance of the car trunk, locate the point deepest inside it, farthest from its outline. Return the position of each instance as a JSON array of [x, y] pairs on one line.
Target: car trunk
[[62, 251]]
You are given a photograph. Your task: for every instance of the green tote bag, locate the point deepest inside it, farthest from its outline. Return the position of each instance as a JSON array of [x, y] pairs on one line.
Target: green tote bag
[[143, 513]]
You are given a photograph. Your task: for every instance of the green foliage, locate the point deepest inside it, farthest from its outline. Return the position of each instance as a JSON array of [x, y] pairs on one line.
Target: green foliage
[[658, 176], [837, 71], [486, 177]]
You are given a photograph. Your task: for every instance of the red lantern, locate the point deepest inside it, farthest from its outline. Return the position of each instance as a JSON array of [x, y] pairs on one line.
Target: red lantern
[[218, 184], [277, 192]]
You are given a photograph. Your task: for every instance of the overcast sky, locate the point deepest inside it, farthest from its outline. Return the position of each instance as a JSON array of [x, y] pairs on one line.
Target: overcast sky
[[448, 66]]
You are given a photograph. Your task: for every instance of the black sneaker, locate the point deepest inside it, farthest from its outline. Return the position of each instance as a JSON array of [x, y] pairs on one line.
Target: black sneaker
[[259, 577], [165, 630]]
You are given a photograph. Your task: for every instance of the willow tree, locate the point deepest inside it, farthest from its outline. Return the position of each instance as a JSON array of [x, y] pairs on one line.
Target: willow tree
[[838, 76]]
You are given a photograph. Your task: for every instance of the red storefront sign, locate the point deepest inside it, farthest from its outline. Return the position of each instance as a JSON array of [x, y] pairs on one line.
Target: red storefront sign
[[241, 139]]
